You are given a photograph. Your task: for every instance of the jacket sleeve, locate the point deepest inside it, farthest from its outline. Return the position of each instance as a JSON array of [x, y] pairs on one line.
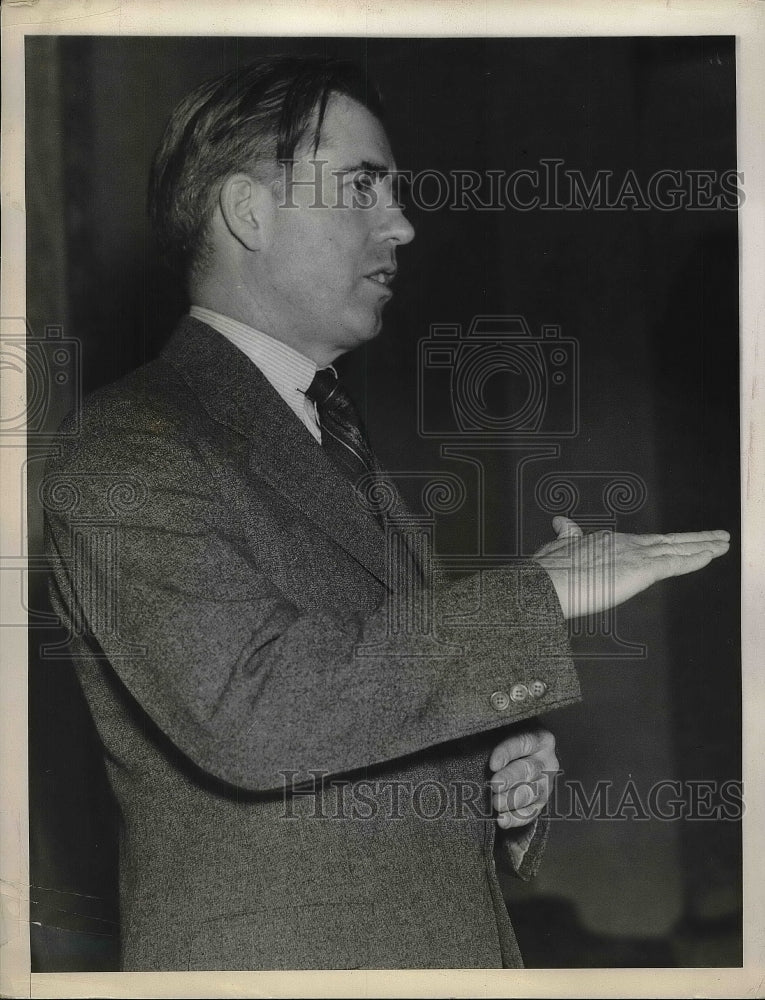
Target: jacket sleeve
[[243, 680]]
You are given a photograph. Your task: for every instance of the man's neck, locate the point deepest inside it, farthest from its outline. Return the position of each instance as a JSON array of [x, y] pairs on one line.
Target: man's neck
[[216, 297]]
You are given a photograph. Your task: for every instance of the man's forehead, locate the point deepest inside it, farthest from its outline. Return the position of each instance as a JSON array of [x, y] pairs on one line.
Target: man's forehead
[[352, 138]]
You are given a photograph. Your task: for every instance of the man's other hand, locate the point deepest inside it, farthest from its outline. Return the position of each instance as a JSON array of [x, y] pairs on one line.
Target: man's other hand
[[594, 572], [524, 768]]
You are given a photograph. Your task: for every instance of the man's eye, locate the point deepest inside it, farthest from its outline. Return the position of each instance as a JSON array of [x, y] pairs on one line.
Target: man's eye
[[363, 181]]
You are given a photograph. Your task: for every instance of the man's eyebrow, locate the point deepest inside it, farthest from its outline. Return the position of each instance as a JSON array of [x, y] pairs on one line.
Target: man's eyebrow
[[369, 167]]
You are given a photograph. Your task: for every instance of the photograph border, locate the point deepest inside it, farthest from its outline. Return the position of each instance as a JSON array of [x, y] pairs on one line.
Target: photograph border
[[426, 18]]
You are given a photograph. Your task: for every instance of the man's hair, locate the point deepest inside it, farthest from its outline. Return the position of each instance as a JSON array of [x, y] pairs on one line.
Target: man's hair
[[251, 119]]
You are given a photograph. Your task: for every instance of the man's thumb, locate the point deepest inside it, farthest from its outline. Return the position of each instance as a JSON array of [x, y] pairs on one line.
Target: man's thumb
[[564, 527]]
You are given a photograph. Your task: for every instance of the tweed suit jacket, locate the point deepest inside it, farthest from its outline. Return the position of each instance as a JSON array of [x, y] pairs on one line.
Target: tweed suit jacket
[[294, 790]]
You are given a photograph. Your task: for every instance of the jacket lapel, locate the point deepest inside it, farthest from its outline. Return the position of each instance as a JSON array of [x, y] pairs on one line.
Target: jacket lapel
[[282, 451]]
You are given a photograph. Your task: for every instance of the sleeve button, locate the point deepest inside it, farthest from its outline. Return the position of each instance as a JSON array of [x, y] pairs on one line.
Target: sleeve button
[[500, 701], [519, 692], [537, 688]]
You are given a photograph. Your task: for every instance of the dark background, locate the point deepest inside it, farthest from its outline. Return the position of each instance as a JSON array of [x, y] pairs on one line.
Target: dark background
[[651, 299]]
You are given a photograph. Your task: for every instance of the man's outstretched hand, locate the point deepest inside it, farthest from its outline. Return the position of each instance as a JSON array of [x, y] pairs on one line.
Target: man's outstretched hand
[[594, 572]]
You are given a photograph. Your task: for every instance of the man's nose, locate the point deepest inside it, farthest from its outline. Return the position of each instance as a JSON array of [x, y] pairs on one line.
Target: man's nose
[[393, 224], [403, 228]]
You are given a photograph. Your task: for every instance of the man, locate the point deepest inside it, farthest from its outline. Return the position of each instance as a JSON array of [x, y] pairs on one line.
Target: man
[[301, 783]]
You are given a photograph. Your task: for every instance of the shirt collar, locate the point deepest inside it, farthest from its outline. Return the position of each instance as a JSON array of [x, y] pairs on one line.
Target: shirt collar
[[288, 370]]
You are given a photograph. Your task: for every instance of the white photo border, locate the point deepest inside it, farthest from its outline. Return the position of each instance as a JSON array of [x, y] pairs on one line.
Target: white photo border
[[396, 18]]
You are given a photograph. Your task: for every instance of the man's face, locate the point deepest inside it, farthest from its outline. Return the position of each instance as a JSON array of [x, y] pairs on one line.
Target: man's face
[[324, 272]]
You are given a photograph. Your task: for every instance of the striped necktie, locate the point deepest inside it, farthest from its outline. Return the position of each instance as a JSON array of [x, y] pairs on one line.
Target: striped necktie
[[342, 433]]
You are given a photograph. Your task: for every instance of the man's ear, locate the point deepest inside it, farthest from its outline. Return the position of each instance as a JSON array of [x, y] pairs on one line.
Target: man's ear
[[243, 204]]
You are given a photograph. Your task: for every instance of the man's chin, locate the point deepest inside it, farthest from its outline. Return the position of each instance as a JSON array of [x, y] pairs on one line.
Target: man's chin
[[363, 333]]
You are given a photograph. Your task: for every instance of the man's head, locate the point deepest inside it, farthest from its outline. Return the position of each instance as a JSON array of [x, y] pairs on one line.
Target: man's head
[[288, 249]]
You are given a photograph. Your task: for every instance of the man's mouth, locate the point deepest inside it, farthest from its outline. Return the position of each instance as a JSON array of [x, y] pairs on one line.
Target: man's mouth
[[382, 276]]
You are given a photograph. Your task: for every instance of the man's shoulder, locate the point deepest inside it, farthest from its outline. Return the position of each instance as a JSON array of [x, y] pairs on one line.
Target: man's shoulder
[[150, 408], [144, 394]]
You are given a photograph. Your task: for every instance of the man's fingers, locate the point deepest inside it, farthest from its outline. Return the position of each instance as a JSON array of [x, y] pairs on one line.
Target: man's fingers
[[677, 561], [520, 771], [517, 745], [525, 793], [683, 550], [524, 768], [520, 745], [518, 817], [680, 537], [679, 565]]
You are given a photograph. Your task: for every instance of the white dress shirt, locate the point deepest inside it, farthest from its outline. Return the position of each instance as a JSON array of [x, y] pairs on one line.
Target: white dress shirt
[[288, 371]]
